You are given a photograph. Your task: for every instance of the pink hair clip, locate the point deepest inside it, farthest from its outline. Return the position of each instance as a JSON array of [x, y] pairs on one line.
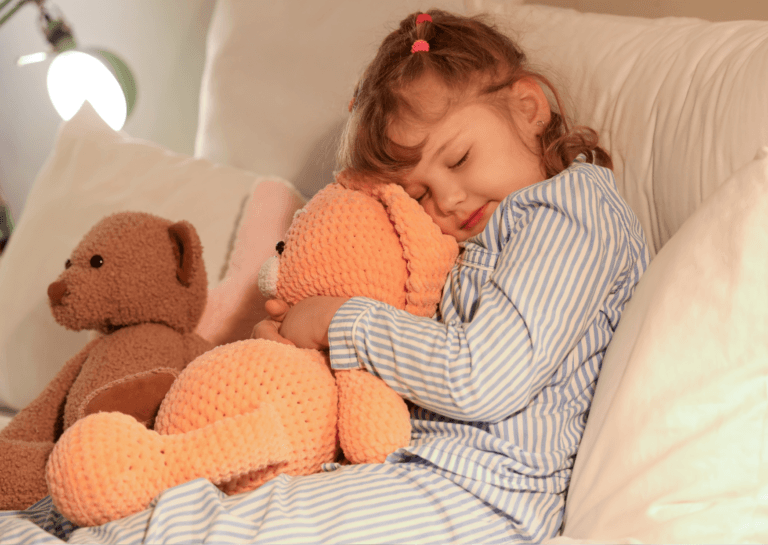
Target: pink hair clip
[[423, 18], [420, 45]]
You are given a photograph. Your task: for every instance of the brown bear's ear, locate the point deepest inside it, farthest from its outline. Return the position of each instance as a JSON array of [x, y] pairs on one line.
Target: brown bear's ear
[[181, 239]]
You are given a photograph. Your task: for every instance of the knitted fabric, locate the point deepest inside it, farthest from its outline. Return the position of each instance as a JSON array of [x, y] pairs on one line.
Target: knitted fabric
[[246, 376], [361, 238], [376, 242], [244, 422], [357, 238], [146, 295], [342, 243], [373, 420]]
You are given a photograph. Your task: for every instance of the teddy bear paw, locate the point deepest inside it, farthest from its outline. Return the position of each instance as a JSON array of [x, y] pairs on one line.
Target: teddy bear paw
[[373, 420]]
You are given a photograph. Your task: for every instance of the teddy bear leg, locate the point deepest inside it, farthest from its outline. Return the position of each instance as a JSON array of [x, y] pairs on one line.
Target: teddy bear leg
[[22, 473], [373, 420], [138, 395], [108, 465], [27, 440]]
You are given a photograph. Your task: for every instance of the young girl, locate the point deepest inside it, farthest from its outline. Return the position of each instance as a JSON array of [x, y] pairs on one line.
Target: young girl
[[501, 382]]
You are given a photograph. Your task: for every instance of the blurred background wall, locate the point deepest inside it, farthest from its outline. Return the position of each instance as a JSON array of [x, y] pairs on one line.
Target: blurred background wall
[[712, 10], [163, 41]]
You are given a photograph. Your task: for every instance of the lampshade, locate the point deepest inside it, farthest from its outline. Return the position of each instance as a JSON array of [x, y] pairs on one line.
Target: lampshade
[[99, 77], [76, 75]]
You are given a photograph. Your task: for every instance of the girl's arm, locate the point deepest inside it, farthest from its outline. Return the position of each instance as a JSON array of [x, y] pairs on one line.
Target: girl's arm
[[556, 270]]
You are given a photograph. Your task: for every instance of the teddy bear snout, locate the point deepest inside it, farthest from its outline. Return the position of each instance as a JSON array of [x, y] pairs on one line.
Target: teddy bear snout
[[56, 292], [268, 277]]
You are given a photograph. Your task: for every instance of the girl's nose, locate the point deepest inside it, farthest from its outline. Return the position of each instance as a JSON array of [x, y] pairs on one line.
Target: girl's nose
[[448, 197]]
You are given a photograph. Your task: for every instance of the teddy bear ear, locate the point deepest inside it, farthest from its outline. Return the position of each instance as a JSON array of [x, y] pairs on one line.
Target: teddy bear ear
[[186, 250], [428, 252], [345, 179], [366, 184]]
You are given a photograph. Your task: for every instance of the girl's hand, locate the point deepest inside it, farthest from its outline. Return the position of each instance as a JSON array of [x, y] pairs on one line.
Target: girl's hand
[[269, 328], [304, 325]]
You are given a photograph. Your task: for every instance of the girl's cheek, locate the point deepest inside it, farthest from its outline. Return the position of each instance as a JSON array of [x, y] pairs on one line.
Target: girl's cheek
[[430, 210], [444, 227]]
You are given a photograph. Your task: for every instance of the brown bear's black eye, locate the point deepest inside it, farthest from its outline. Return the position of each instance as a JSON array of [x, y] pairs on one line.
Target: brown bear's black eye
[[280, 247], [67, 264], [97, 261]]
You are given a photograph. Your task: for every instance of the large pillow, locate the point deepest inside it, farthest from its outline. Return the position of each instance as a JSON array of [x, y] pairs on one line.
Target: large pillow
[[680, 102], [675, 445], [91, 172], [279, 76]]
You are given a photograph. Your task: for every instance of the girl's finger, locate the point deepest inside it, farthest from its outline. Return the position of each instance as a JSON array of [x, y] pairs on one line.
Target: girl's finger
[[277, 309], [268, 330]]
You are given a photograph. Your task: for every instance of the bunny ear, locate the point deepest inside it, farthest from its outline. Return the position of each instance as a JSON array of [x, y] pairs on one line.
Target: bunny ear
[[428, 253]]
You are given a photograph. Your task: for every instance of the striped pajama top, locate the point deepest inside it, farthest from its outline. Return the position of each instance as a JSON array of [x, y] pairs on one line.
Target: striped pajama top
[[502, 380]]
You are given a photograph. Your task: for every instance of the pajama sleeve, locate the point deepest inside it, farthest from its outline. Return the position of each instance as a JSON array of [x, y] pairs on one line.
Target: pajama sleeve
[[560, 250]]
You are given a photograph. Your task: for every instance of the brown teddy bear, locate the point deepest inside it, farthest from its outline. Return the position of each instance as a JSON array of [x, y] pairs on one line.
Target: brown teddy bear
[[139, 280], [250, 410]]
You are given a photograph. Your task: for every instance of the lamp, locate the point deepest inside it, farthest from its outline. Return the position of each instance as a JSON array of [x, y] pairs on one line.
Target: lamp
[[79, 74]]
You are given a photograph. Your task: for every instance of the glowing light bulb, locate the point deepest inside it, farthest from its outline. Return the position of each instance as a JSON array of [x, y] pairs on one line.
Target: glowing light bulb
[[74, 77]]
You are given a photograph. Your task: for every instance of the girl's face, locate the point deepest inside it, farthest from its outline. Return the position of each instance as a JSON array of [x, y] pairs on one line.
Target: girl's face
[[473, 156]]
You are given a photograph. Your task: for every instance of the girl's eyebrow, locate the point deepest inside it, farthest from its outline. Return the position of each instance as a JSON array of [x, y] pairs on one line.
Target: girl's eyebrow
[[447, 143]]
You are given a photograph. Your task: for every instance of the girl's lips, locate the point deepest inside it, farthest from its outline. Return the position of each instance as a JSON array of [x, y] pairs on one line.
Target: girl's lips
[[473, 220]]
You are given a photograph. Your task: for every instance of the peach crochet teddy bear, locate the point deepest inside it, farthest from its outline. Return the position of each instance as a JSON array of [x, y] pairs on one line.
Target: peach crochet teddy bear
[[245, 412], [140, 281]]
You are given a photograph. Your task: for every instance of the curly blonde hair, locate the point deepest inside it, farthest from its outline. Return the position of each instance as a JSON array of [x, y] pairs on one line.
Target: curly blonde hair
[[465, 54]]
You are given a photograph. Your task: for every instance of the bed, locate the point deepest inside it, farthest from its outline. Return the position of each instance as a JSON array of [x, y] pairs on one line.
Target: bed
[[676, 445]]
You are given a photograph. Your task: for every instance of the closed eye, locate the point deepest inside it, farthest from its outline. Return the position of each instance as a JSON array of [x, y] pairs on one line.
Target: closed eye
[[411, 190], [461, 161]]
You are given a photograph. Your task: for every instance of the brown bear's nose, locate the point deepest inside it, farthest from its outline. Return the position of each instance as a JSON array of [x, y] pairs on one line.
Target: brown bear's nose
[[56, 291]]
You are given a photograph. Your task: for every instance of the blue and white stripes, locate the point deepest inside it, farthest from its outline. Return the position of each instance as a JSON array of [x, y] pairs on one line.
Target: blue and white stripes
[[501, 383], [505, 379], [382, 503]]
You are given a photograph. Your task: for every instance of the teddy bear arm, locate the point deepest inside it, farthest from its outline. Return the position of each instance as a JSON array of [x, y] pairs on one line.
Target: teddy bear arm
[[42, 420], [140, 394], [131, 373], [195, 345], [373, 420]]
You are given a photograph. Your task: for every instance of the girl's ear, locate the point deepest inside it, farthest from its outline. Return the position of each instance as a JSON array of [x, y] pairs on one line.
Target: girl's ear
[[529, 105]]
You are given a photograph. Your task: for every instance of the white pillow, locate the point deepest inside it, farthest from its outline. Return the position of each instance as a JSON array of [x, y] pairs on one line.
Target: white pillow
[[279, 76], [675, 445], [679, 102], [94, 171]]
